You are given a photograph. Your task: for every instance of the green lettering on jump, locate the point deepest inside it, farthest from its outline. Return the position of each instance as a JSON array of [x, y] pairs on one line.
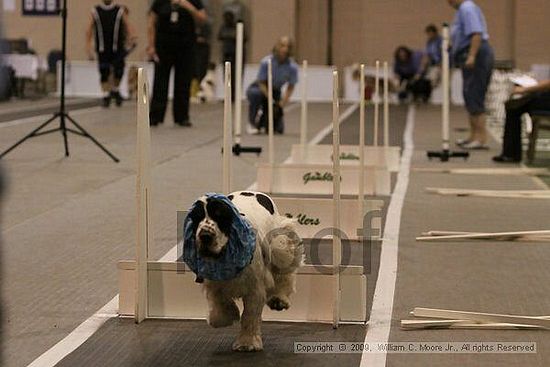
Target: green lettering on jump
[[304, 219], [349, 156], [317, 176]]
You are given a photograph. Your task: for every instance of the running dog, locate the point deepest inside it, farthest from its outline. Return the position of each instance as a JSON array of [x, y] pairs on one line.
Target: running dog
[[240, 247]]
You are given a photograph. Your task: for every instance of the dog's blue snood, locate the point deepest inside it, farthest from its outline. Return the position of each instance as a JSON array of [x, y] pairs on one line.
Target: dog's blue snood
[[237, 254]]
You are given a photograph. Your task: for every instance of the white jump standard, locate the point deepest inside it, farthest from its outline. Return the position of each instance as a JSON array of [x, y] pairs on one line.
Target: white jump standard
[[445, 154], [237, 147]]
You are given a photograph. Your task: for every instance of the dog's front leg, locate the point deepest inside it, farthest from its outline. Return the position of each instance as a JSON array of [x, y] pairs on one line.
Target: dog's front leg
[[222, 310], [250, 336]]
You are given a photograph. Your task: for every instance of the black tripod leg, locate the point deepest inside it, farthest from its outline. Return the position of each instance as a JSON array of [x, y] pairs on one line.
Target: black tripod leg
[[63, 128], [29, 135], [86, 134]]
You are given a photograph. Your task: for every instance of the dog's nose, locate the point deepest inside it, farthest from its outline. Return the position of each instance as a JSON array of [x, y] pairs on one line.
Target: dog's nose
[[206, 238]]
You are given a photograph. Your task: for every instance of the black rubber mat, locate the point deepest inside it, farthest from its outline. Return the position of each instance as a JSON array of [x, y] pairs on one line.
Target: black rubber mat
[[122, 343]]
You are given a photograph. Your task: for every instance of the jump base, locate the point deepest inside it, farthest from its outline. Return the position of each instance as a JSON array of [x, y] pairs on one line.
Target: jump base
[[174, 294]]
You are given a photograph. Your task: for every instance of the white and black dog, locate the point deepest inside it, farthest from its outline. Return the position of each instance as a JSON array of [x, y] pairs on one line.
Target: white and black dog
[[242, 248]]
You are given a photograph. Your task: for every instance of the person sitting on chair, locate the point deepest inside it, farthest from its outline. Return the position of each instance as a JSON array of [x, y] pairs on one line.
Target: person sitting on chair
[[285, 71], [528, 99], [109, 23]]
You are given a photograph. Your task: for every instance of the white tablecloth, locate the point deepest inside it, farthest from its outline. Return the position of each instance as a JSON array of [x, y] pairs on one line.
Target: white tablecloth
[[25, 66]]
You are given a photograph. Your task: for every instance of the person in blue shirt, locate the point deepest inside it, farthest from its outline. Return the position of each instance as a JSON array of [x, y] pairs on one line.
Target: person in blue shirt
[[285, 72], [433, 45], [472, 52], [407, 66]]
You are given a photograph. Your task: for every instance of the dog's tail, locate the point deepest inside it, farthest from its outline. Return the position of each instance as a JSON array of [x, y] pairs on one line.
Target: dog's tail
[[287, 249]]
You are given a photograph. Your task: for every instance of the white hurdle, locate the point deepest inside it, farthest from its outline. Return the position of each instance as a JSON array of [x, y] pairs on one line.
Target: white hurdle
[[313, 212], [167, 290], [305, 178], [385, 157]]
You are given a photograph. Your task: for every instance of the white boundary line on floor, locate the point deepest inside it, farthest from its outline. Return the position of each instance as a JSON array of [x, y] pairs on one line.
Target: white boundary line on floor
[[344, 116], [42, 118], [88, 328], [379, 325]]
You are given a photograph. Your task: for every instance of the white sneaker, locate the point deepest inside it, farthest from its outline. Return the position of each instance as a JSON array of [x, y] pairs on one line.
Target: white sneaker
[[251, 130], [461, 142], [474, 145]]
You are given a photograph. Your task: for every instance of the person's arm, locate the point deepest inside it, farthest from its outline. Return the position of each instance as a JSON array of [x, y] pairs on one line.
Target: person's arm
[[540, 87], [90, 38], [151, 36], [130, 30], [475, 44], [263, 87], [424, 63], [286, 97], [199, 15]]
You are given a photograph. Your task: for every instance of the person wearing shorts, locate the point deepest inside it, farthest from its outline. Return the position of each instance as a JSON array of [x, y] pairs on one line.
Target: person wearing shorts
[[472, 52], [109, 24]]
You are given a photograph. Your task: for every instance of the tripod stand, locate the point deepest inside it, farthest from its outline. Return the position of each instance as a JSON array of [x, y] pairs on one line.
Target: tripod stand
[[64, 117]]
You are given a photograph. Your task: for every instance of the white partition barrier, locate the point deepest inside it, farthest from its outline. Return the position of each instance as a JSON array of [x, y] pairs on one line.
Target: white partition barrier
[[316, 179], [82, 78], [382, 157]]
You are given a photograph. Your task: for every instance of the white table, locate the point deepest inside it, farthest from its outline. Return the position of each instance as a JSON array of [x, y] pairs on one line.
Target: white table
[[26, 66]]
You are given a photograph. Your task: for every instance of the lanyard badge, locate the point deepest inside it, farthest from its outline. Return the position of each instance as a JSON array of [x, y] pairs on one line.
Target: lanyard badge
[[174, 16]]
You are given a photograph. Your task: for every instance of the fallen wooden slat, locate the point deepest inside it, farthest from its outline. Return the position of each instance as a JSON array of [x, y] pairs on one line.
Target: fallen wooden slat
[[509, 235], [526, 238], [525, 194], [540, 321], [487, 171], [462, 324]]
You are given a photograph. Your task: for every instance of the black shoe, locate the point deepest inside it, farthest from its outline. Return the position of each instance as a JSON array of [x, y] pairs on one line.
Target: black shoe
[[505, 159], [153, 123], [117, 97], [184, 123], [106, 102]]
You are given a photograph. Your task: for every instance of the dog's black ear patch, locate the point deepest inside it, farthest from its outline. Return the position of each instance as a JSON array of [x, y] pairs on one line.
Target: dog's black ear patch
[[266, 202], [197, 214], [220, 213], [246, 193], [230, 197]]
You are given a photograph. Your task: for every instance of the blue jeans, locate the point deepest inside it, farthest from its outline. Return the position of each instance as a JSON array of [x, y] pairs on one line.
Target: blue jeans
[[257, 101], [476, 80]]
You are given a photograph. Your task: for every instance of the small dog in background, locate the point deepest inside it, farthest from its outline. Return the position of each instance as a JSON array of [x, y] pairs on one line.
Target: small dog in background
[[240, 247]]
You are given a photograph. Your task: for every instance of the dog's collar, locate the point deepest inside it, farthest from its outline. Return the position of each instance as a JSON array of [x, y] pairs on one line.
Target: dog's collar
[[238, 251]]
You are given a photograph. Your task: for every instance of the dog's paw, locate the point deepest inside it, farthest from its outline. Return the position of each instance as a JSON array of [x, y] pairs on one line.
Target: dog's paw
[[224, 317], [279, 303], [248, 343]]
